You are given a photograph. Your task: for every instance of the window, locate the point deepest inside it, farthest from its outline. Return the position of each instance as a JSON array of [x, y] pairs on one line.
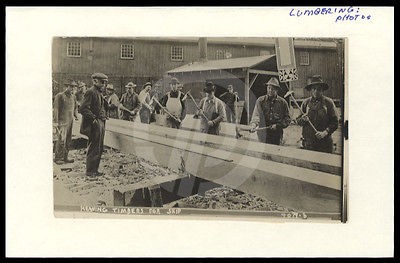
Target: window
[[176, 53], [223, 54], [304, 59], [74, 49], [265, 52], [127, 51]]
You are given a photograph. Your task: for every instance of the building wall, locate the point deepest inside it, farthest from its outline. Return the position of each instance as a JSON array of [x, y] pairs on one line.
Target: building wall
[[152, 60], [322, 62]]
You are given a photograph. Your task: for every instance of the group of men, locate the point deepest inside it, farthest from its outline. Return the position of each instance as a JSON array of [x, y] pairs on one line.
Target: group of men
[[130, 104], [271, 111], [318, 116]]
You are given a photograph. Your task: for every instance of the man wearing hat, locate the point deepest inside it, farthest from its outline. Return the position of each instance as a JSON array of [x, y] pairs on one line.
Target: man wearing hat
[[321, 111], [94, 110], [65, 111], [212, 111], [174, 102], [130, 104], [144, 99], [230, 98], [271, 111]]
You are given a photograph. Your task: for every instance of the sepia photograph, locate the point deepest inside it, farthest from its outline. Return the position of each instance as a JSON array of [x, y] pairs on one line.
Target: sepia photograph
[[228, 126], [204, 131]]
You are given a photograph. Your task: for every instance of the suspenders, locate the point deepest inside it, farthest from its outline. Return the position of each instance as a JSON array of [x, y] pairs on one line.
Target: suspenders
[[215, 103], [179, 95]]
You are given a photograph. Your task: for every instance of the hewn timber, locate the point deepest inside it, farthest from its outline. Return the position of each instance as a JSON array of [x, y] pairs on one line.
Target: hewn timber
[[296, 187], [330, 163]]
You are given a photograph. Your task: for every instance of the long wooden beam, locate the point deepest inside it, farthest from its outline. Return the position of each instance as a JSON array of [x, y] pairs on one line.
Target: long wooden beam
[[330, 163], [292, 186], [264, 72]]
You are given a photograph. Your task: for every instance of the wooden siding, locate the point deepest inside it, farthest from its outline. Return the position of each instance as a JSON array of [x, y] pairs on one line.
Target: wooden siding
[[152, 59], [322, 62]]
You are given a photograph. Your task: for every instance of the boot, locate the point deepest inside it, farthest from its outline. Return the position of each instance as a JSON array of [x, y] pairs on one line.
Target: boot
[[66, 160], [59, 162]]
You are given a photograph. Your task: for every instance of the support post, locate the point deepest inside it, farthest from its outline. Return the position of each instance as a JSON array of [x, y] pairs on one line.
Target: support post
[[247, 95], [253, 80]]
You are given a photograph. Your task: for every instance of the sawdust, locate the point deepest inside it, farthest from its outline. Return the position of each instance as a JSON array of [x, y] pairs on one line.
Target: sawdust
[[125, 172], [225, 198], [121, 171]]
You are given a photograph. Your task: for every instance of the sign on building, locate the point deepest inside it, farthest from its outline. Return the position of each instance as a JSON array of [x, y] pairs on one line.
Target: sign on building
[[285, 59]]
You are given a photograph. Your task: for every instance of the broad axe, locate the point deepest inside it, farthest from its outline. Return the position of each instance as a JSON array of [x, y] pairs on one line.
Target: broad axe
[[238, 134], [290, 93], [165, 109], [197, 106]]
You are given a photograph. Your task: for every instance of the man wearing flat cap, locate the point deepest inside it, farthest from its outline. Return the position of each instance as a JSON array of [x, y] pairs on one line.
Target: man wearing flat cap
[[94, 110], [65, 111], [144, 99], [130, 104], [212, 111], [321, 111], [271, 111], [174, 102]]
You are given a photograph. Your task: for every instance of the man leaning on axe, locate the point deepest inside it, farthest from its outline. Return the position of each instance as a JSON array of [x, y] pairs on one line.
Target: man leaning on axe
[[271, 111], [320, 111], [174, 103]]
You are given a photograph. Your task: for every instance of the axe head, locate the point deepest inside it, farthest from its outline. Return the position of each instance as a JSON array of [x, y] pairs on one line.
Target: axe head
[[290, 92]]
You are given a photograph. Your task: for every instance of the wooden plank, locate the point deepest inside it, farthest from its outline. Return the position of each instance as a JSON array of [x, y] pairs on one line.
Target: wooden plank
[[291, 186], [247, 95], [264, 72], [308, 175], [325, 162], [253, 80]]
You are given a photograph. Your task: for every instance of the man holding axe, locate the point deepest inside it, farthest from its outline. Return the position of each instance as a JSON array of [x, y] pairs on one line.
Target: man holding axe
[[211, 110], [129, 103], [173, 104], [271, 113], [318, 117], [145, 101]]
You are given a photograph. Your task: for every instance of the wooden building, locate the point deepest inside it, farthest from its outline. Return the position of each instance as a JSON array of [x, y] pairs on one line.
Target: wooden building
[[141, 59]]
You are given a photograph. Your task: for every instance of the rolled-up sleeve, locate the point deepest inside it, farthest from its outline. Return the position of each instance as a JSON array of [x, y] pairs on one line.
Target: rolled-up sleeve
[[183, 103], [114, 101], [221, 113]]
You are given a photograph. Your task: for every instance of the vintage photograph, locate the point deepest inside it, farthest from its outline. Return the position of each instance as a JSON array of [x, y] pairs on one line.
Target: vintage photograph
[[201, 126]]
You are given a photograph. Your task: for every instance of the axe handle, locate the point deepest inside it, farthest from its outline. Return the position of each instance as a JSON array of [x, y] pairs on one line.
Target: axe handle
[[298, 106], [238, 134], [256, 129], [165, 109], [197, 106]]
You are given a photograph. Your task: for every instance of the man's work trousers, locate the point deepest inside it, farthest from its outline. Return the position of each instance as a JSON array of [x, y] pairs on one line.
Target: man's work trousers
[[274, 137], [171, 123], [144, 115], [63, 142], [230, 114], [210, 130], [323, 145], [95, 147]]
